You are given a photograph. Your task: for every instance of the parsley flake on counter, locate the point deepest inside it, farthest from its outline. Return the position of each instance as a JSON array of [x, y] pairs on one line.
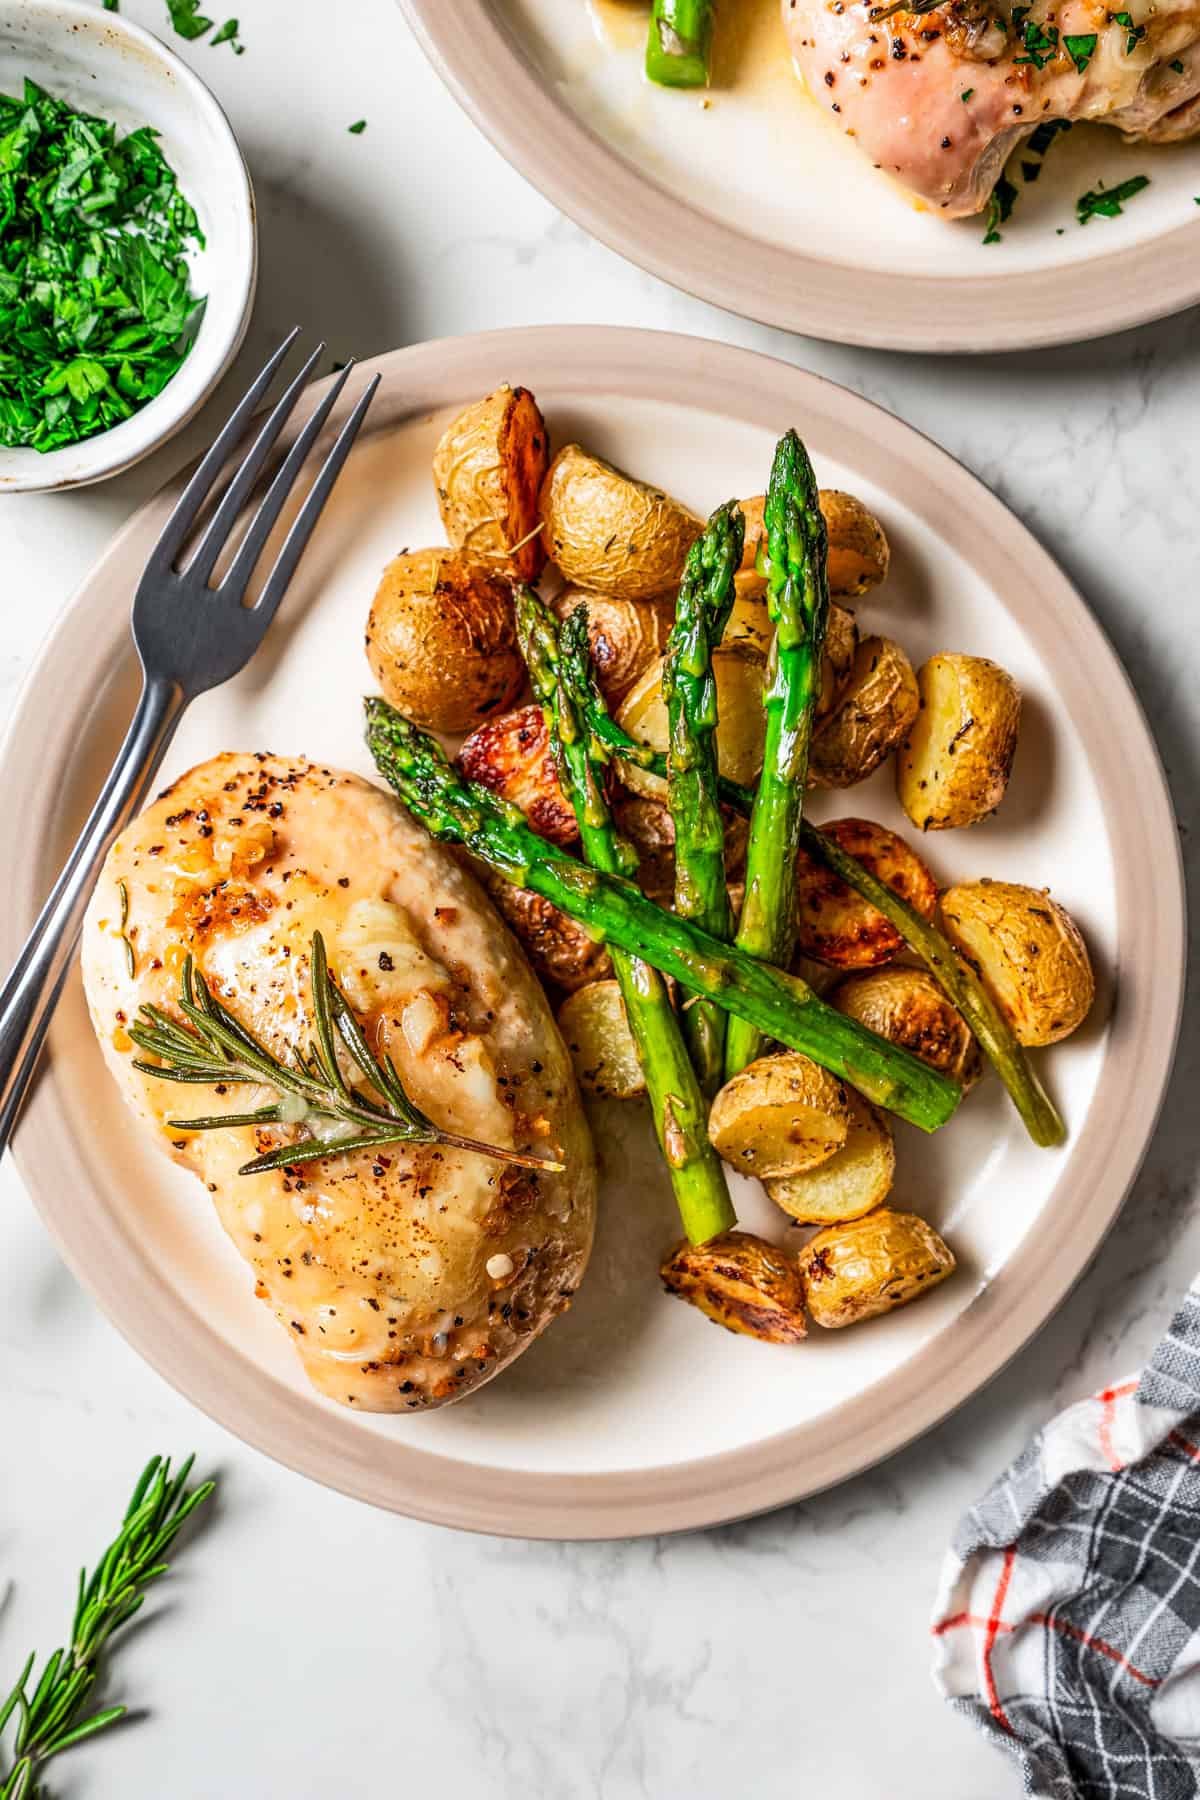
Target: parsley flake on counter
[[358, 127], [96, 308], [187, 22], [1081, 48], [1109, 203]]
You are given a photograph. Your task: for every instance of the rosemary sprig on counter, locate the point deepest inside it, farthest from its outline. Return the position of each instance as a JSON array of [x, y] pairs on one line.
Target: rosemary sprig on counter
[[211, 1047], [49, 1712]]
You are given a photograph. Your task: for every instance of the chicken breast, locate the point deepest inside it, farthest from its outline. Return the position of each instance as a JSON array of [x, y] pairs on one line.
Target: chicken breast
[[938, 100], [406, 1277]]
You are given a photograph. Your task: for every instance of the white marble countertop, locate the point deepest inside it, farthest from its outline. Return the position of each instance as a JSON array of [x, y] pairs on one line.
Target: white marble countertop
[[309, 1647]]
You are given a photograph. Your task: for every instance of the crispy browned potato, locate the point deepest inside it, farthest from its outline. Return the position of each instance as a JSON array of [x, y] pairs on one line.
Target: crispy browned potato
[[1028, 951], [513, 757], [611, 534], [834, 925], [858, 549], [780, 1115], [442, 641], [738, 670], [626, 637], [871, 1265], [560, 951], [873, 714], [907, 1007], [954, 764], [596, 1031], [488, 470], [856, 1178], [743, 1283]]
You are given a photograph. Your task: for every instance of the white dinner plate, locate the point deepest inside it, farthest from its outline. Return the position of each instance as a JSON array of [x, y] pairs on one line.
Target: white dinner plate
[[748, 196], [633, 1414]]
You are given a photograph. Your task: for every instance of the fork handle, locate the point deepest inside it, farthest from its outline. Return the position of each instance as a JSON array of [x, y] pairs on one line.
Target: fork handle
[[30, 994]]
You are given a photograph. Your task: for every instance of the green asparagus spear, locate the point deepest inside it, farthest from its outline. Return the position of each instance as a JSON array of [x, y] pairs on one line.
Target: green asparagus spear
[[677, 1104], [962, 985], [561, 679], [702, 610], [798, 600], [616, 912], [679, 44]]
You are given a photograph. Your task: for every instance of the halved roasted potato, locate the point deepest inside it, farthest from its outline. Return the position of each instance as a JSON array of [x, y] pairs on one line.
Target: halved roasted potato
[[871, 1265], [954, 764], [1028, 951], [743, 1283], [442, 641], [780, 1115], [610, 533], [596, 1032], [858, 549], [559, 950], [907, 1007], [856, 1178], [513, 756], [873, 714], [834, 925], [739, 671], [626, 637], [488, 470]]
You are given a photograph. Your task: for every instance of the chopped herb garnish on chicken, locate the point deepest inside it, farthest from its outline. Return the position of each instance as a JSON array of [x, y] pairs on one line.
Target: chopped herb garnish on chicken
[[96, 307], [1109, 203], [966, 95], [1041, 44], [1081, 48], [1136, 32], [1177, 66]]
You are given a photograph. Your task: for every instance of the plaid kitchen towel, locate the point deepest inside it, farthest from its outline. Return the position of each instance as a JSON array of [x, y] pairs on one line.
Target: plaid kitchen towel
[[1068, 1621]]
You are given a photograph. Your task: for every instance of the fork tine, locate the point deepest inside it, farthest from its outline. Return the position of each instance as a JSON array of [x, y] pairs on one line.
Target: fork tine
[[302, 526], [194, 494], [272, 503], [234, 498]]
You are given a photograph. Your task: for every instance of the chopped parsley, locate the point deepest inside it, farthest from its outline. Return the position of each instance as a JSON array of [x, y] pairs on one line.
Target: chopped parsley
[[1177, 66], [358, 127], [96, 308], [228, 34], [966, 95], [1109, 203], [999, 210], [187, 22], [1041, 139], [1136, 32], [1081, 49], [1040, 41]]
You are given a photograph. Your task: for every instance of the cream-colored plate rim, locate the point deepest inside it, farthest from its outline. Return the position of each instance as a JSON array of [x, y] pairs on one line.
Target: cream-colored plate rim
[[626, 208], [1097, 1169]]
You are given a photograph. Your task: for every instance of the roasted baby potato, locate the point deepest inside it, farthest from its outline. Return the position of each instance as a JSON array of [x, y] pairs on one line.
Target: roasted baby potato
[[873, 714], [513, 757], [743, 1283], [739, 672], [954, 764], [1028, 951], [858, 549], [907, 1007], [626, 637], [488, 470], [856, 1177], [596, 1032], [836, 926], [648, 825], [560, 951], [782, 1114], [442, 641], [855, 1271], [610, 533]]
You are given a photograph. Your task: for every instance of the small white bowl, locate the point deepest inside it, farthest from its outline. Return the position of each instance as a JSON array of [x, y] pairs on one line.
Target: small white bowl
[[100, 62]]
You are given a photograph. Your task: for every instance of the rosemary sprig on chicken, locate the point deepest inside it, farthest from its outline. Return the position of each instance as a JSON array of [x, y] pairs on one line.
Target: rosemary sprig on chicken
[[706, 596], [796, 543], [560, 673], [213, 1048]]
